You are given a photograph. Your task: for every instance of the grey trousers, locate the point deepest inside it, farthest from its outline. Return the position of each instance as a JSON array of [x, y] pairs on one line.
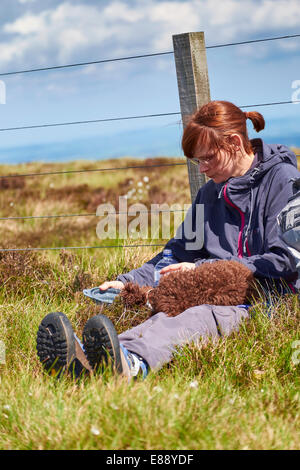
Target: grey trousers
[[156, 338]]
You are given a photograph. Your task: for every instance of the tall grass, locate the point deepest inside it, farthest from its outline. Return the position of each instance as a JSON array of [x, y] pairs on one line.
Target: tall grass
[[241, 392]]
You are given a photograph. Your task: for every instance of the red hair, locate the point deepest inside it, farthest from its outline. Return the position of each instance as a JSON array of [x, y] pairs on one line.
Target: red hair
[[212, 125]]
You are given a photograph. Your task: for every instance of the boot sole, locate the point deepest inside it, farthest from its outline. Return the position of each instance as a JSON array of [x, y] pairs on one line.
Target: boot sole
[[55, 343], [101, 343]]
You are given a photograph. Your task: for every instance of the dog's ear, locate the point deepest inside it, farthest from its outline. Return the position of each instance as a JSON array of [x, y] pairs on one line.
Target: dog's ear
[[133, 294]]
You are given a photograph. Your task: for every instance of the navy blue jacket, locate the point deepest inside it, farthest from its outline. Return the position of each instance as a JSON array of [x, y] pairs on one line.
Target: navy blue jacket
[[240, 220]]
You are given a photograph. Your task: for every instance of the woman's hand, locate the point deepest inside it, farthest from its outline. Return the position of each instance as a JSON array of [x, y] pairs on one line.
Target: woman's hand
[[172, 267], [177, 267], [108, 284]]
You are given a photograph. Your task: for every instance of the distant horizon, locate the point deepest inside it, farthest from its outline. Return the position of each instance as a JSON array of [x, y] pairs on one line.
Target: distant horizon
[[141, 143]]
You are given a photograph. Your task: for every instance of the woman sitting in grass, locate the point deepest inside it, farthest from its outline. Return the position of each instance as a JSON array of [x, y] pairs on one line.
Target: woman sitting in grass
[[250, 183]]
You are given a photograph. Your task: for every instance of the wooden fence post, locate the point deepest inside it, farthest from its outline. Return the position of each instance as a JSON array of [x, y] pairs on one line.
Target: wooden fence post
[[193, 87]]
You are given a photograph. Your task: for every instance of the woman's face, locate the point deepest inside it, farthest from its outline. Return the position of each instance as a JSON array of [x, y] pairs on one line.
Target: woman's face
[[219, 166]]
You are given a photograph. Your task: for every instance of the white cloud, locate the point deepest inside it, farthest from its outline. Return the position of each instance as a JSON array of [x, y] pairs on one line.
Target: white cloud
[[119, 11], [290, 45], [27, 24], [70, 31], [60, 89], [172, 17], [231, 19], [280, 14]]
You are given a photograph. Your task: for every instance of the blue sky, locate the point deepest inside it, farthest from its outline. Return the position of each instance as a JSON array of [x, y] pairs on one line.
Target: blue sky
[[40, 33]]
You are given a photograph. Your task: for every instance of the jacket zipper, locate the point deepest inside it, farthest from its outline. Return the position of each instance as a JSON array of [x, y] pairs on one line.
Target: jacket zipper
[[242, 215]]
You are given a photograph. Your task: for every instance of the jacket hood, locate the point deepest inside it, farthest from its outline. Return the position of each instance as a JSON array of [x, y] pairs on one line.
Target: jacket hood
[[239, 190], [269, 155]]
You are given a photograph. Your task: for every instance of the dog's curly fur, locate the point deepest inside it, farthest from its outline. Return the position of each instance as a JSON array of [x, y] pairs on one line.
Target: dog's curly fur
[[217, 283]]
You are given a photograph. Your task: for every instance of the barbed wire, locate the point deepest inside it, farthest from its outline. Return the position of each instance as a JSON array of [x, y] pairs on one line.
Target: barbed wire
[[89, 121], [143, 116], [80, 64], [77, 247], [46, 173], [88, 215], [274, 103], [103, 61], [254, 40]]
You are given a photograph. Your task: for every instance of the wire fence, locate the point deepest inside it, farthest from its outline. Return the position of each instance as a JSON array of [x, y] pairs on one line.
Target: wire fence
[[29, 217], [36, 126], [140, 56], [80, 247], [88, 170], [126, 118], [47, 173]]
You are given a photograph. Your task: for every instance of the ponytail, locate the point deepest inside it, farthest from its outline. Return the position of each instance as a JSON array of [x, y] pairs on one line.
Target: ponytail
[[257, 120]]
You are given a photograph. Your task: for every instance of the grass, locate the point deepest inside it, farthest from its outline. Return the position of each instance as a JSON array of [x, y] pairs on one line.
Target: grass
[[239, 393]]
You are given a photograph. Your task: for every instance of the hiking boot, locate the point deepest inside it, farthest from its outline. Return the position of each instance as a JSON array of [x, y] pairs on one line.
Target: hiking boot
[[58, 348], [102, 347], [101, 343]]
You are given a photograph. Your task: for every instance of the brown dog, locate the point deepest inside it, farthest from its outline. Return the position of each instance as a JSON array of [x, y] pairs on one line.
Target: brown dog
[[217, 283]]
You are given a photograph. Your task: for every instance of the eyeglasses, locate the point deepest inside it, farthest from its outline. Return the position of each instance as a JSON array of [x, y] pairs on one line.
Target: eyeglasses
[[197, 161]]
